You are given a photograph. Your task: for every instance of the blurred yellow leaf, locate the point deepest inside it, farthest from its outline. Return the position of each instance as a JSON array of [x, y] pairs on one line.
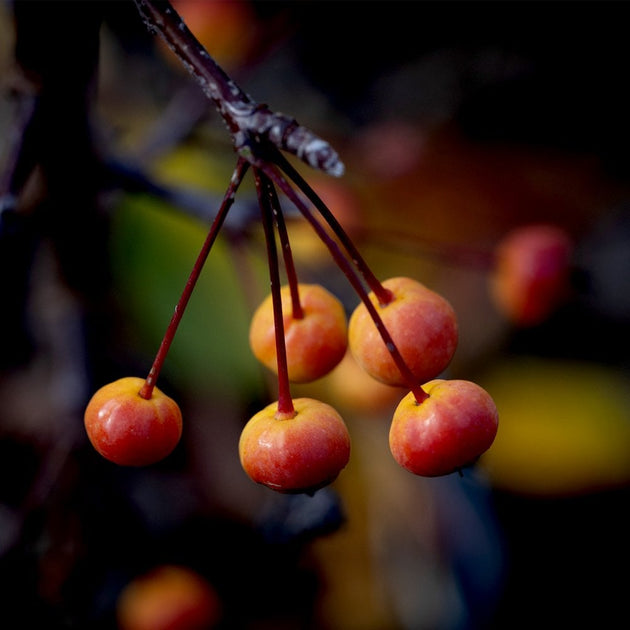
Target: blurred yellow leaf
[[193, 166], [564, 427]]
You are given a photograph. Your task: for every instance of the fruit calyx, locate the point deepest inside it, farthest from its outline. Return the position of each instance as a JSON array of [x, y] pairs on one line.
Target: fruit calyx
[[285, 415]]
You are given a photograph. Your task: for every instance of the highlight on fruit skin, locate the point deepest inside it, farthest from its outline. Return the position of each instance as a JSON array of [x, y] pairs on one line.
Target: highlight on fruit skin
[[315, 343], [447, 431], [297, 454], [168, 597], [422, 324], [532, 272], [130, 430]]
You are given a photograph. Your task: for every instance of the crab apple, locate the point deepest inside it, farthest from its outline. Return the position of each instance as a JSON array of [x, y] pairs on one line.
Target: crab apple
[[354, 390], [295, 452], [531, 273], [448, 430], [422, 324], [226, 29], [168, 597], [315, 343], [128, 429]]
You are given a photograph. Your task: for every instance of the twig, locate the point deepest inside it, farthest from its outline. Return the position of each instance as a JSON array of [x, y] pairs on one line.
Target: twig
[[251, 124]]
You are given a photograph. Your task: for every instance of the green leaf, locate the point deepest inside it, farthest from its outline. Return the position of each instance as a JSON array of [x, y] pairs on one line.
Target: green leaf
[[154, 248]]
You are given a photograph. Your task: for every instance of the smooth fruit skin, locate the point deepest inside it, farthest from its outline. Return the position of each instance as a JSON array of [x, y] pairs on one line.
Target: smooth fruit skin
[[298, 454], [447, 431], [130, 430], [315, 344], [531, 272], [422, 324], [168, 597]]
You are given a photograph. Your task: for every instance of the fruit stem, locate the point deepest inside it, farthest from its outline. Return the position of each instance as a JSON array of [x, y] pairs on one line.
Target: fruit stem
[[237, 177], [266, 193], [354, 279], [384, 295], [297, 312]]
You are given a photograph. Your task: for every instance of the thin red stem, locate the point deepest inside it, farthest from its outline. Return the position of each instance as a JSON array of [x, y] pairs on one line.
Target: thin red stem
[[355, 281], [285, 401], [237, 177], [383, 295], [297, 312]]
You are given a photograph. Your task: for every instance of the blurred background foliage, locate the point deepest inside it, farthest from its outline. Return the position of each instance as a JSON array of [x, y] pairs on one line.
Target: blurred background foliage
[[456, 122]]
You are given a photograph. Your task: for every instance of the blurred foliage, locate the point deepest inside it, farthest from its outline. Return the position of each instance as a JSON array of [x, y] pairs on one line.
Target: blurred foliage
[[154, 249], [564, 426]]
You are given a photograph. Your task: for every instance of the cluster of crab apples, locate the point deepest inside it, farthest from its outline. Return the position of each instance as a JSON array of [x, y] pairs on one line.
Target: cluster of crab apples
[[406, 337], [439, 427], [402, 334]]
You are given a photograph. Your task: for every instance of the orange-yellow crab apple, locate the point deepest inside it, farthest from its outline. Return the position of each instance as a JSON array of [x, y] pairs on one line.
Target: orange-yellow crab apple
[[168, 597], [296, 452], [422, 324], [128, 429], [315, 343], [448, 430]]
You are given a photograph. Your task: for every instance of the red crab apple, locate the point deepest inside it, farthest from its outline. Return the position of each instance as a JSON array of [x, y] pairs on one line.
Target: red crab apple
[[128, 429], [448, 430], [422, 324], [531, 272], [315, 343], [298, 452], [169, 597]]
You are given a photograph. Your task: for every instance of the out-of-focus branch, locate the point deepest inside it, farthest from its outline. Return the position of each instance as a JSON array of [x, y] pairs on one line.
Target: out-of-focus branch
[[251, 124]]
